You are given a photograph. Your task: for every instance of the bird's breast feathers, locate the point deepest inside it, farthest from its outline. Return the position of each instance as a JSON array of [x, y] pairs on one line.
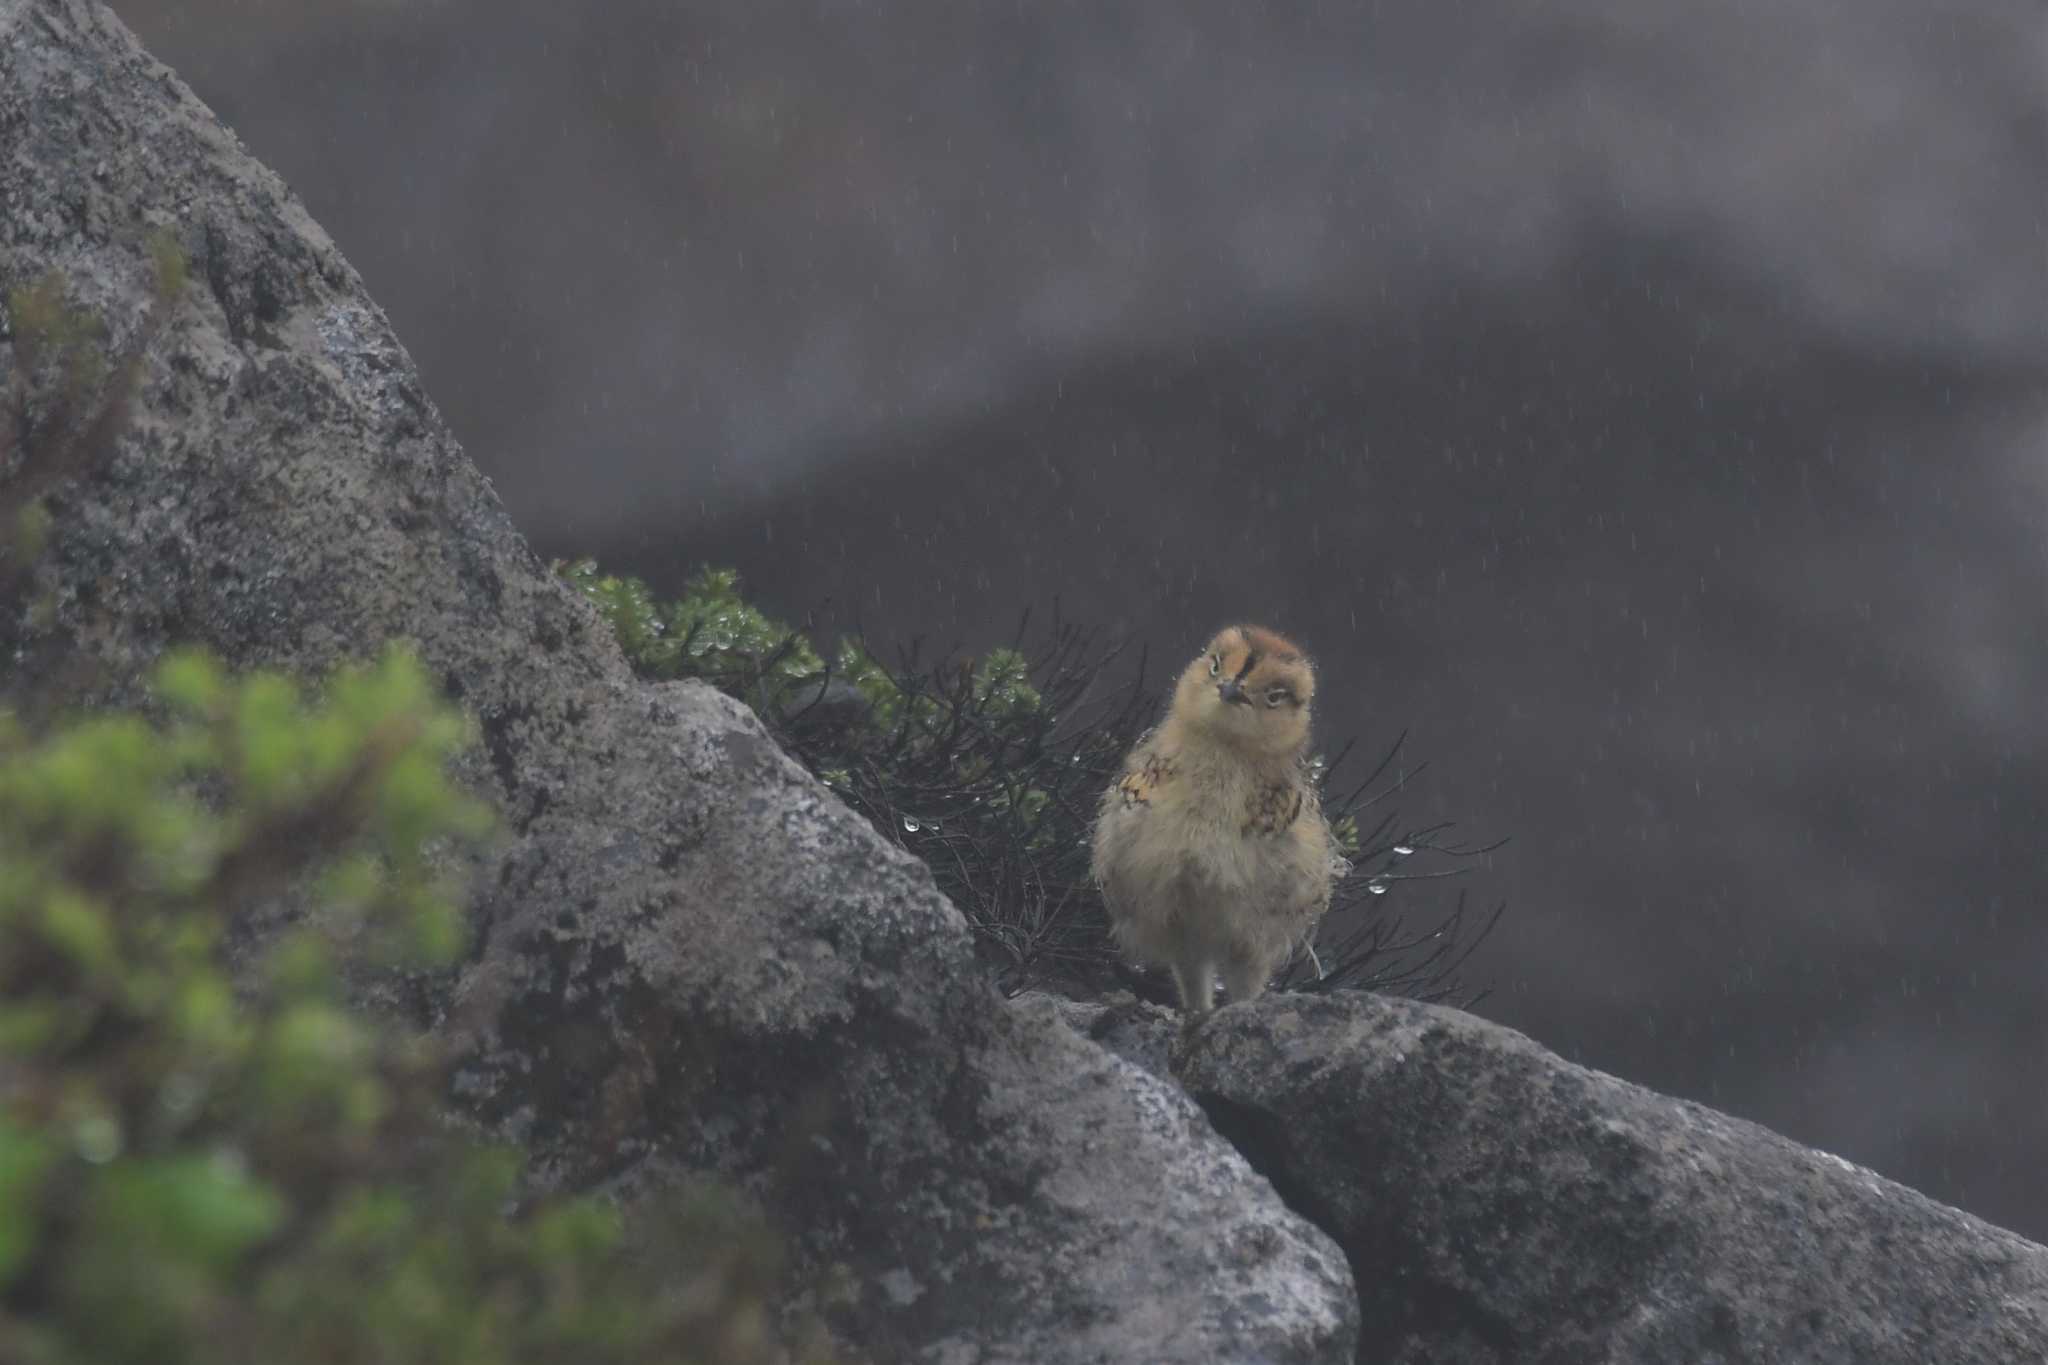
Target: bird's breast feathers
[[1273, 808], [1170, 841], [1160, 787]]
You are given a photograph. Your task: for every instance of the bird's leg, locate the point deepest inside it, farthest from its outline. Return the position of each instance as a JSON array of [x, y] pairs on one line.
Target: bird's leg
[[1243, 979], [1196, 978]]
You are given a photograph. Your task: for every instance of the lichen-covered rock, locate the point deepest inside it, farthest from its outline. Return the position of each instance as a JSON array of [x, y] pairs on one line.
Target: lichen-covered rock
[[691, 957], [1500, 1204], [1142, 1033]]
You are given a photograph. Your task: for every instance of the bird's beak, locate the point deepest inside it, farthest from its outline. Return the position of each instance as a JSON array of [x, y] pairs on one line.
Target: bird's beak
[[1229, 690]]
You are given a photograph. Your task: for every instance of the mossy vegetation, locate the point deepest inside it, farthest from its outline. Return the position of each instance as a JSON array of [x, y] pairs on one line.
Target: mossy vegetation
[[989, 769], [205, 1159]]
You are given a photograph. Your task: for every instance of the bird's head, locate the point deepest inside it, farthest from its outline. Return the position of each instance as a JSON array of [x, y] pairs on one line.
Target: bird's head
[[1250, 688]]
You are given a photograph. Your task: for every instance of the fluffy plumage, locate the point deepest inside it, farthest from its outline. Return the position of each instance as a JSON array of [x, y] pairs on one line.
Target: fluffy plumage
[[1211, 849]]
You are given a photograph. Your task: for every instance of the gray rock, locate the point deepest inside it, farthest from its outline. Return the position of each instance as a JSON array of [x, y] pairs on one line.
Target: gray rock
[[1500, 1204], [691, 956], [1138, 1031]]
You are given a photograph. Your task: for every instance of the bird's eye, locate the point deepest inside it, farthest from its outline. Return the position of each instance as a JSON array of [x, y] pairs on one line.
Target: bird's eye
[[1215, 664], [1276, 695]]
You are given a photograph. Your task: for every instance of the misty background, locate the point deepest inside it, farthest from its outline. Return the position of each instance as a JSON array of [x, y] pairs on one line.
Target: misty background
[[1644, 404]]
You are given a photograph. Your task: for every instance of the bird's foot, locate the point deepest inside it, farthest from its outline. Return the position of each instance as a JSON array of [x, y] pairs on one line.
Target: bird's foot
[[1191, 1025]]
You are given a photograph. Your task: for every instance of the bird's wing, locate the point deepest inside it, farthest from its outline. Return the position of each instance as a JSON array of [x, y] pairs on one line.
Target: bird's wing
[[1123, 800], [1145, 772]]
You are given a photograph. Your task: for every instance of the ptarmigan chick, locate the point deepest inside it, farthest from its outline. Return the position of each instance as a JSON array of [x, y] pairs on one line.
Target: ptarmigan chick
[[1211, 850]]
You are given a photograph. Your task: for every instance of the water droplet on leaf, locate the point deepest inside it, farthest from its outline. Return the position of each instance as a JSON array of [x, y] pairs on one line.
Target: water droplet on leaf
[[98, 1139]]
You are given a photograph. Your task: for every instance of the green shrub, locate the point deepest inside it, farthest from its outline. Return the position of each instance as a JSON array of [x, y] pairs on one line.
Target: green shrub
[[205, 1159]]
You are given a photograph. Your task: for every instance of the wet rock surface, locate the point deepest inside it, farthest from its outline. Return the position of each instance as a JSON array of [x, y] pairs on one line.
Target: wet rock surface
[[1500, 1204]]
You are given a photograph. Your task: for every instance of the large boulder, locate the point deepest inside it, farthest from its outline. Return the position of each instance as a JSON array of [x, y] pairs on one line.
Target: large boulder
[[1500, 1204], [691, 957]]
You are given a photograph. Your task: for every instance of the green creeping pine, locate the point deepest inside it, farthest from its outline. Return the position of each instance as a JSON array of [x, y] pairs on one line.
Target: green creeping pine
[[201, 1162]]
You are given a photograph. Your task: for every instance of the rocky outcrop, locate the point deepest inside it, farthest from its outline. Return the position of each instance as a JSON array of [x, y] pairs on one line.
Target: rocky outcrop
[[691, 957], [1500, 1204]]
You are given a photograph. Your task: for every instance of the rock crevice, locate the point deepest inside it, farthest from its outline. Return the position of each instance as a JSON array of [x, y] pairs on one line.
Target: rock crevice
[[1497, 1203]]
